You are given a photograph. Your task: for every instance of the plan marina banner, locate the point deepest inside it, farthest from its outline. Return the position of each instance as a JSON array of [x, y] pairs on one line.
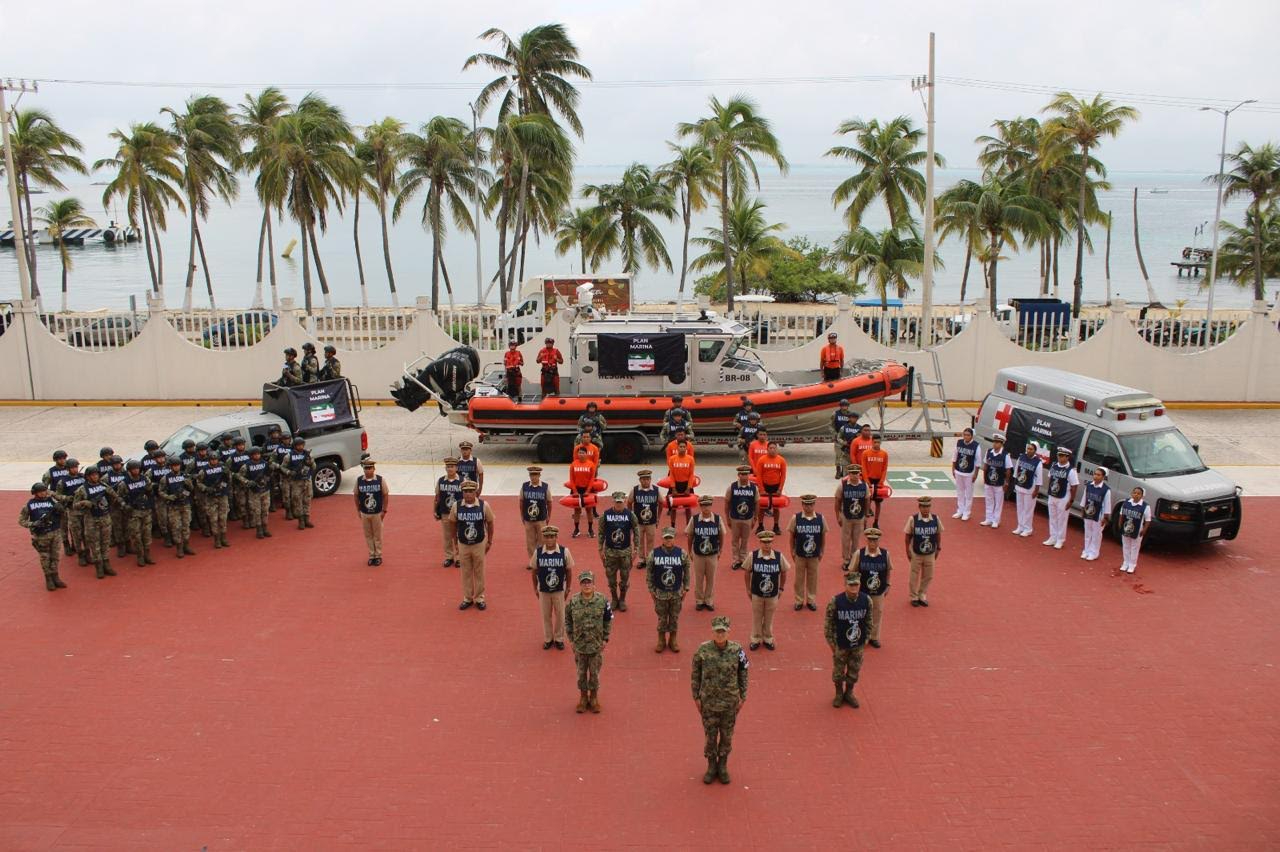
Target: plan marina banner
[[627, 355], [1048, 433]]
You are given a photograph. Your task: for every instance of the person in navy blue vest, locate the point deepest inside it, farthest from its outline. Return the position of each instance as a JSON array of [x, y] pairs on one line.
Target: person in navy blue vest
[[923, 536], [448, 495], [1028, 479], [552, 569], [668, 581], [872, 564], [964, 469], [473, 520], [535, 508], [42, 515], [740, 500], [469, 467], [853, 504], [845, 627], [1061, 482], [766, 576], [996, 481], [808, 530], [1095, 509], [643, 501], [373, 500], [844, 428], [1135, 517], [706, 534]]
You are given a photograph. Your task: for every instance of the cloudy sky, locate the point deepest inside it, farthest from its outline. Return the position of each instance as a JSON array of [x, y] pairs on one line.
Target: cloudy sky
[[1171, 49]]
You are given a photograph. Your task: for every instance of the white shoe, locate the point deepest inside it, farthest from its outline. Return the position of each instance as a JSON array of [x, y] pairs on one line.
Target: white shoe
[[995, 526], [1017, 531], [1133, 568], [1093, 558], [1084, 556], [986, 523], [1026, 533], [1057, 545], [1048, 542], [964, 517], [1124, 569], [956, 515]]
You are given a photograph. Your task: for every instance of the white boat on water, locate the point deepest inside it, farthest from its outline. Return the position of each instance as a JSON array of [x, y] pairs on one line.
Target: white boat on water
[[1159, 190], [110, 235]]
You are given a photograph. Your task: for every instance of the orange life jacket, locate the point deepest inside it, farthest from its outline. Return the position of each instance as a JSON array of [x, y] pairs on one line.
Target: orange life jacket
[[857, 447], [755, 450], [512, 359], [593, 454], [671, 450], [832, 355]]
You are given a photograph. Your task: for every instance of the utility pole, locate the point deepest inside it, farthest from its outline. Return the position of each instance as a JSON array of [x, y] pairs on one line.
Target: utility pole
[[1217, 214], [475, 155], [928, 84], [19, 237]]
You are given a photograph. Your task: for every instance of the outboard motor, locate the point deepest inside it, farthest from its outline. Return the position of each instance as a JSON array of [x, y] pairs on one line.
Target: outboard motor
[[446, 378]]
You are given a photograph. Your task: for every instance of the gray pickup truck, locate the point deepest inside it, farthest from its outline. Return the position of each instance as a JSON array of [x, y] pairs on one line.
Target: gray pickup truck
[[326, 413]]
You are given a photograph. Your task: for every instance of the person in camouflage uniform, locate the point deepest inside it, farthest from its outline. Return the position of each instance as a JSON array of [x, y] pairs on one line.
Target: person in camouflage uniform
[[239, 495], [137, 495], [195, 467], [213, 484], [254, 477], [846, 628], [43, 516], [175, 491], [720, 674], [159, 470], [619, 529], [300, 468], [94, 500], [667, 577], [588, 620], [73, 518], [310, 363], [332, 367], [53, 478], [113, 476], [291, 372]]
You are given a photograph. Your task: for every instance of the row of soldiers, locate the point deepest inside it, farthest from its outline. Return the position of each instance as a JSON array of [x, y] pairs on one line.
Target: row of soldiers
[[127, 504], [309, 369]]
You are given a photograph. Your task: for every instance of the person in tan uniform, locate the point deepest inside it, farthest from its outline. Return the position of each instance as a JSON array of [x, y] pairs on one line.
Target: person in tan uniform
[[373, 500], [808, 539], [448, 495], [740, 500], [705, 535], [853, 504], [552, 569], [473, 522], [923, 534], [535, 508]]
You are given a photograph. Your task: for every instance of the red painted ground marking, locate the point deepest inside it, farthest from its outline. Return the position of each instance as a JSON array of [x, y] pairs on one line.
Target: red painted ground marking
[[283, 695]]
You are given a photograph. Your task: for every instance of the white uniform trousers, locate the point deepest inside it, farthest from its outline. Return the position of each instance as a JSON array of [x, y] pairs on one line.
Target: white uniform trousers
[[1026, 509], [1059, 514], [1131, 546], [993, 498], [964, 494], [1092, 539]]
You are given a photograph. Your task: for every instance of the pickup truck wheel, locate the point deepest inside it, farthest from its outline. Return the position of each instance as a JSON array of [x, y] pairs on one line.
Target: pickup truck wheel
[[626, 449], [554, 449], [327, 479]]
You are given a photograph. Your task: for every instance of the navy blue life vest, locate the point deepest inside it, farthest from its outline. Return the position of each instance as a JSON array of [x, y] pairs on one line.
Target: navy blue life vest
[[645, 501], [371, 494], [1094, 497], [808, 540], [552, 571], [1131, 517], [666, 569], [137, 494], [997, 465], [765, 573], [617, 529], [742, 501], [851, 620], [924, 534], [853, 499], [1058, 480], [874, 571], [706, 535], [966, 456], [533, 501], [471, 523]]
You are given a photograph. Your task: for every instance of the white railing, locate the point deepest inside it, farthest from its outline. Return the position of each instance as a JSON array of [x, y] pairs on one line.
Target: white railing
[[95, 332], [223, 329], [479, 327], [359, 329]]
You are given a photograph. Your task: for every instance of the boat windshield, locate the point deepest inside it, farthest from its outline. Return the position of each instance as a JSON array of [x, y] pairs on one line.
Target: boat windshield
[[1166, 453], [742, 353]]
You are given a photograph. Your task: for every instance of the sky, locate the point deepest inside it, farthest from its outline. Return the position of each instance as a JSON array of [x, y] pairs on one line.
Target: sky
[[1149, 48]]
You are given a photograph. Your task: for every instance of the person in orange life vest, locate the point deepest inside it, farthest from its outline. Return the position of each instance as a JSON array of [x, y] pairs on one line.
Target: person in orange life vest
[[512, 360], [758, 447], [677, 441], [680, 468], [875, 469], [582, 472], [771, 473], [592, 448], [550, 359], [860, 444], [831, 359]]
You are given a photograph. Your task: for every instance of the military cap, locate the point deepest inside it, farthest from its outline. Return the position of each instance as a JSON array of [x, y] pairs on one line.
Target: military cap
[[329, 347], [997, 438], [705, 500], [157, 452], [743, 468], [227, 436], [469, 486], [37, 487], [1064, 451], [644, 473], [619, 495], [175, 460], [106, 451], [203, 446], [586, 577], [308, 347], [1103, 469], [668, 532], [533, 468], [852, 579], [549, 340], [765, 535], [133, 464], [747, 401], [450, 460], [926, 500], [367, 463], [255, 449], [809, 498], [720, 622], [513, 343], [59, 454], [872, 532], [465, 445], [289, 350], [298, 439], [73, 462], [550, 530], [853, 468], [92, 470], [116, 460], [843, 402], [150, 446]]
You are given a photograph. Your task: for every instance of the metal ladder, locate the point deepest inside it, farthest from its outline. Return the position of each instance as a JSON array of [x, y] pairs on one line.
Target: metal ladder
[[932, 417]]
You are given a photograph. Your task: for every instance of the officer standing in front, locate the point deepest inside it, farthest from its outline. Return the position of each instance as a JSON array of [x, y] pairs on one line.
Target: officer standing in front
[[705, 534], [644, 502], [741, 498], [552, 567], [42, 515], [588, 621], [846, 631], [448, 495], [808, 535], [719, 679], [619, 530], [923, 543], [766, 577], [373, 499], [473, 520], [94, 499], [668, 580], [535, 508], [469, 467], [872, 565]]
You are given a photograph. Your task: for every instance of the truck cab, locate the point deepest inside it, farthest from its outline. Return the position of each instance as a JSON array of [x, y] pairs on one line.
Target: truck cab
[[542, 295]]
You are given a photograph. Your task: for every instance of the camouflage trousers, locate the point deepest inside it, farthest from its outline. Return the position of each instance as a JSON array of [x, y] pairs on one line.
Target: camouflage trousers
[[299, 497], [237, 501], [46, 544], [97, 535], [178, 522], [199, 511], [216, 508], [846, 663], [717, 724], [258, 506], [668, 610], [139, 533], [119, 527], [588, 669], [75, 529], [617, 570], [161, 515]]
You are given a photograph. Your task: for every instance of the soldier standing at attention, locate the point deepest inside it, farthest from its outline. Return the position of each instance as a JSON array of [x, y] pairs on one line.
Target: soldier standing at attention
[[619, 529], [43, 516], [195, 470], [473, 519], [280, 464], [271, 453], [644, 503], [53, 478], [843, 431], [94, 500], [588, 621], [875, 467], [469, 467], [552, 567], [1095, 511], [310, 363], [373, 499], [291, 372], [175, 491], [741, 498], [535, 508], [255, 477], [676, 417], [138, 495], [1135, 517], [1028, 478], [964, 469], [808, 534], [1062, 484], [158, 473], [513, 364], [747, 434], [852, 505], [771, 473], [831, 359], [719, 679], [550, 359], [582, 474], [113, 476], [448, 495], [68, 485], [301, 470], [213, 484], [332, 367], [846, 630], [766, 577], [705, 535], [239, 496], [995, 481], [593, 422], [923, 543], [871, 564], [668, 581]]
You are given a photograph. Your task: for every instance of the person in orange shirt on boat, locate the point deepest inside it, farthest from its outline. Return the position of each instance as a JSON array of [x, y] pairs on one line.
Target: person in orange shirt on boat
[[582, 473], [513, 361], [680, 469], [875, 470], [592, 449], [771, 473], [550, 359], [860, 444], [676, 442], [831, 359], [757, 448]]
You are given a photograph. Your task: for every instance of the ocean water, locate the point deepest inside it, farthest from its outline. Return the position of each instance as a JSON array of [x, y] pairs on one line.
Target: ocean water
[[107, 277]]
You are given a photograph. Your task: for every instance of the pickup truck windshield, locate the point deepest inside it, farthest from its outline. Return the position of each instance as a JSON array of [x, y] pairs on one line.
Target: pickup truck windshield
[[1166, 453], [174, 444]]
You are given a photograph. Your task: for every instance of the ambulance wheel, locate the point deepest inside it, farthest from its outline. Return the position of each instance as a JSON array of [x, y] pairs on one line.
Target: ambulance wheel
[[626, 449], [554, 449]]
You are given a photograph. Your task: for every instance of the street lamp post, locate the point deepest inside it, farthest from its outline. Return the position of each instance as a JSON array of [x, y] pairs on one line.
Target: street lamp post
[[926, 285], [19, 235], [1217, 212]]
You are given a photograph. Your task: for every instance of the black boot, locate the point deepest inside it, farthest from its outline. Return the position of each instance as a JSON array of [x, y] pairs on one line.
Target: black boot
[[712, 771], [266, 533], [146, 554], [622, 599], [260, 532], [307, 521], [107, 569], [186, 548], [48, 582], [121, 551], [82, 557], [142, 559], [302, 525], [722, 770], [99, 570], [57, 581]]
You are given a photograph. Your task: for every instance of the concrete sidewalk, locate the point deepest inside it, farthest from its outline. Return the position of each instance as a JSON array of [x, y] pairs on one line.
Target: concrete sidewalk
[[409, 447]]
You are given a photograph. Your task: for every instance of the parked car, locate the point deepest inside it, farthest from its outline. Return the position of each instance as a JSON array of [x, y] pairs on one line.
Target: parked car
[[242, 329], [108, 331], [6, 315]]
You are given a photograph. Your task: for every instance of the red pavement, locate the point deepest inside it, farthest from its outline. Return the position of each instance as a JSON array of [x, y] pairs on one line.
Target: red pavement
[[283, 695]]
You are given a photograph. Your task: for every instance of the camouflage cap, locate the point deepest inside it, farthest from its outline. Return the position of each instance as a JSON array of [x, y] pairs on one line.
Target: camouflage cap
[[619, 496], [586, 577], [668, 532], [808, 499], [469, 486], [720, 622], [852, 579], [872, 532], [705, 500], [765, 535]]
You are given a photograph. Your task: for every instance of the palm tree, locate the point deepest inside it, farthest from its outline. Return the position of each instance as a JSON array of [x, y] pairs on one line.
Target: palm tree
[[358, 185], [257, 115], [308, 167], [887, 156], [381, 152], [439, 160], [1014, 149], [691, 174], [41, 149], [1255, 172], [889, 258], [59, 217], [147, 178], [732, 133], [752, 245], [1003, 212], [534, 73], [1085, 124], [577, 230], [207, 145], [1238, 256], [626, 210], [961, 222]]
